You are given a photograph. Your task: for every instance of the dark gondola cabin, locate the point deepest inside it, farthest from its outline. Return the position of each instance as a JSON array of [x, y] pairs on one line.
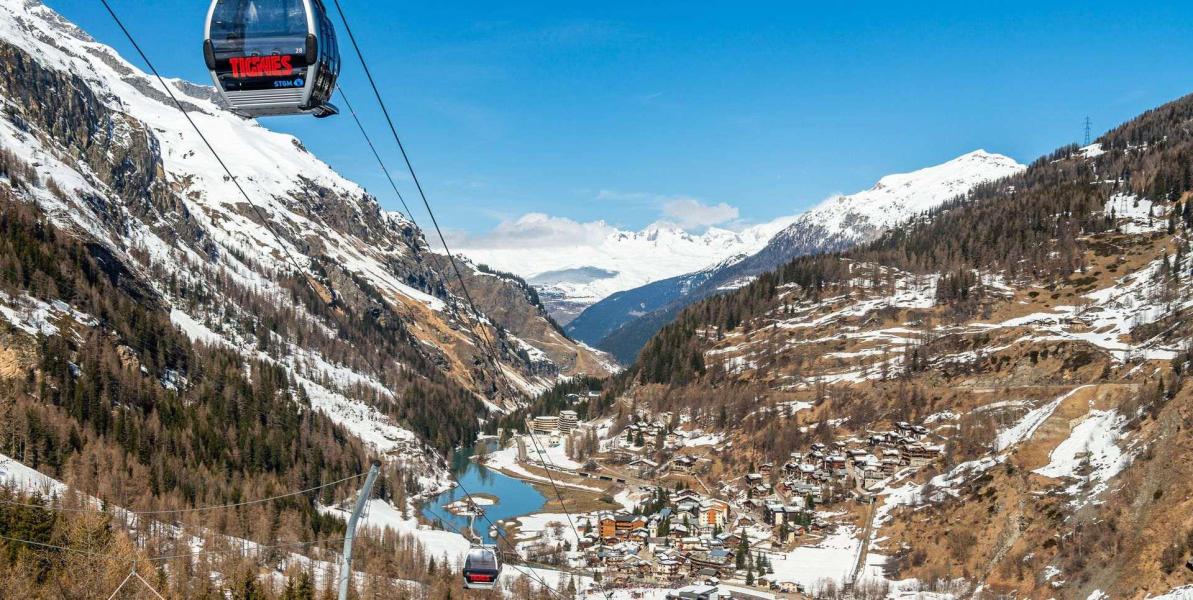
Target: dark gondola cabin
[[272, 57], [482, 567]]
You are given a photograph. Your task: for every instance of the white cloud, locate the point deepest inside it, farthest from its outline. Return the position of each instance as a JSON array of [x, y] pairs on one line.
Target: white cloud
[[538, 230], [690, 213]]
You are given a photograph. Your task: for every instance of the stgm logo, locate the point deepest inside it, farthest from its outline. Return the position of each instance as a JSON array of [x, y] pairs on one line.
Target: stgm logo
[[261, 66]]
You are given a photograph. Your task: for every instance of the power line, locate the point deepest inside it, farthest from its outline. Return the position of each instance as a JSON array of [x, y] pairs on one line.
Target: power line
[[170, 92], [546, 457], [143, 513], [530, 574], [87, 553], [414, 176]]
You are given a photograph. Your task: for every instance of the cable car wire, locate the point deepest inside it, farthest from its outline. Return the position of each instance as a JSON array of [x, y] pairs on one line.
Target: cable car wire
[[142, 513], [528, 573], [413, 175], [544, 456], [393, 184], [376, 154], [170, 92]]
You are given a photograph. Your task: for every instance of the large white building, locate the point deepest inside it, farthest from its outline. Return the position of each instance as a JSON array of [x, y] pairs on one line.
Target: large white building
[[545, 424], [568, 421]]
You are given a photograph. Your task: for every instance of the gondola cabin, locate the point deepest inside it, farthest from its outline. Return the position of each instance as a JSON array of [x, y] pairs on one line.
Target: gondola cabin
[[482, 567], [272, 57]]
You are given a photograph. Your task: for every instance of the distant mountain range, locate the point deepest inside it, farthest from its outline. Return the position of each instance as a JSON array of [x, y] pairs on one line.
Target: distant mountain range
[[573, 274], [624, 321]]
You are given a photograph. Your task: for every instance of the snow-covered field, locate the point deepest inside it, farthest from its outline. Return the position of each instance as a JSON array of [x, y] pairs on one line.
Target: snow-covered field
[[833, 558]]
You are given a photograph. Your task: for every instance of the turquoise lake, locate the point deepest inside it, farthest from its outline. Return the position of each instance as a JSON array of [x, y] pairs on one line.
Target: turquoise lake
[[515, 498]]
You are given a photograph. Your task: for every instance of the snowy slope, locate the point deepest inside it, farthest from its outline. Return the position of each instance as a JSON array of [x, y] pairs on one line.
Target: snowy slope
[[843, 221], [182, 211], [573, 274]]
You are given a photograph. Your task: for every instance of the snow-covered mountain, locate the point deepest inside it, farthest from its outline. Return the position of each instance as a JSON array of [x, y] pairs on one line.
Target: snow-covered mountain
[[107, 156], [842, 221], [573, 274], [624, 321]]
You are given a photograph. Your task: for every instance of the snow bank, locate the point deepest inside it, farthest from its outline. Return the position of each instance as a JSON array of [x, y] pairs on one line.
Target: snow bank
[[1092, 442], [1027, 426]]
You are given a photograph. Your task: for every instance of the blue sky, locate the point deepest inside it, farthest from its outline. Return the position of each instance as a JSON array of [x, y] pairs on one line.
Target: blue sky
[[633, 111]]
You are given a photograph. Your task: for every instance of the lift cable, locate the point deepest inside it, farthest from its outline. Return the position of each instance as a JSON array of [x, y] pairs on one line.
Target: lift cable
[[525, 571], [170, 92], [381, 163], [549, 465], [142, 513], [414, 176]]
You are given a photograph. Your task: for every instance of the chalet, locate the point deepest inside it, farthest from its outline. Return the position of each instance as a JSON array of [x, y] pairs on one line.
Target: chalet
[[793, 532], [683, 464], [754, 478], [721, 562], [834, 462], [620, 526], [643, 467], [766, 468], [640, 535], [636, 566], [918, 455], [667, 567]]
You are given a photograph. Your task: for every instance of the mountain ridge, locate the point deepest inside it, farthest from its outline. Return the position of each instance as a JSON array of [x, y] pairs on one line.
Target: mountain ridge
[[623, 323]]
